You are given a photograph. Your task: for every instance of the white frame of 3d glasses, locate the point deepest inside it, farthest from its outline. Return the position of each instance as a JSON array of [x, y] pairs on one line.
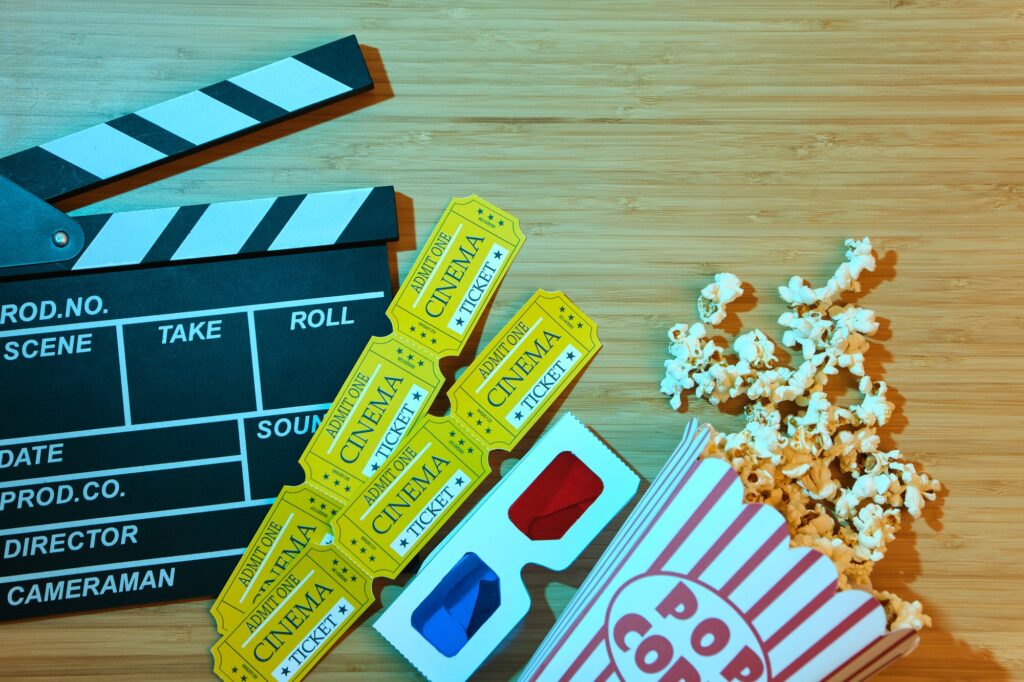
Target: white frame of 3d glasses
[[488, 532]]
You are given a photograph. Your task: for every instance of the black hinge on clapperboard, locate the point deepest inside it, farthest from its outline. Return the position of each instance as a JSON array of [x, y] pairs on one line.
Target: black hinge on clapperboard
[[161, 370]]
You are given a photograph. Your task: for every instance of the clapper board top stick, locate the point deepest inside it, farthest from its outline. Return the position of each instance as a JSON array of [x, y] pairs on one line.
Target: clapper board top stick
[[163, 367]]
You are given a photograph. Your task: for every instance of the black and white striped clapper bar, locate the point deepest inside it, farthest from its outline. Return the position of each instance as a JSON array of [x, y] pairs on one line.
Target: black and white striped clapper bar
[[162, 370]]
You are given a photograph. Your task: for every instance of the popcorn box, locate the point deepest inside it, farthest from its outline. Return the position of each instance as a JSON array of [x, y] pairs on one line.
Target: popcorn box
[[698, 585], [469, 594]]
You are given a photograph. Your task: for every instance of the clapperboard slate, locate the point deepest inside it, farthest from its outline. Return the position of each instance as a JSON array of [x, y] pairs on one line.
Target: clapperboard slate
[[161, 370]]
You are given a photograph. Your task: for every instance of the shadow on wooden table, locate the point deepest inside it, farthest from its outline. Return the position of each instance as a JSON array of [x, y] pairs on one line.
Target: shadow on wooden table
[[885, 271], [732, 324], [902, 565], [958, 659], [406, 235]]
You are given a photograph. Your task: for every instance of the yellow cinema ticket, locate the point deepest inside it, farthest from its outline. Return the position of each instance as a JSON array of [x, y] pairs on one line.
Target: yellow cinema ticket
[[390, 388], [444, 459], [432, 315], [435, 468], [321, 595]]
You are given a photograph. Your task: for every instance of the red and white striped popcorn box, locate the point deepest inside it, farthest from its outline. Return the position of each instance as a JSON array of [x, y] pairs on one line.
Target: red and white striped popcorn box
[[698, 585]]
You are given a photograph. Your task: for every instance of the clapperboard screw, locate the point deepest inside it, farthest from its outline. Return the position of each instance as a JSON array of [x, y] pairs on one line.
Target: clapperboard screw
[[61, 239]]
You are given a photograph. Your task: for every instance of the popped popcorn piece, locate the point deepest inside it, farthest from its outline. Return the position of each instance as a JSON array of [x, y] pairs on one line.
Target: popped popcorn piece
[[820, 466], [691, 349], [799, 384], [714, 297], [854, 319], [902, 614], [755, 349], [807, 331], [818, 533], [719, 382], [874, 532], [859, 258], [919, 487], [874, 409], [769, 383]]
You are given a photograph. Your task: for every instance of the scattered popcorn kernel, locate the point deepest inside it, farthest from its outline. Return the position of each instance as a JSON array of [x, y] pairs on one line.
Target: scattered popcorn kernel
[[902, 614], [821, 466], [874, 409], [755, 349], [859, 258], [714, 297]]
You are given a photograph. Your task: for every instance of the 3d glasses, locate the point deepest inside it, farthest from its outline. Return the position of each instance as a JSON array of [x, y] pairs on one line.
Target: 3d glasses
[[469, 594]]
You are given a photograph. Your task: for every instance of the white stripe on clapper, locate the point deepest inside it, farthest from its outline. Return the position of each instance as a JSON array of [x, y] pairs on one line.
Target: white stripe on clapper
[[103, 151], [125, 238], [290, 84], [223, 229], [320, 219], [196, 117]]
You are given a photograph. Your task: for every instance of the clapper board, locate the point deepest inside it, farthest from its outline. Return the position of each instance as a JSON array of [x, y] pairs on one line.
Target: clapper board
[[161, 370]]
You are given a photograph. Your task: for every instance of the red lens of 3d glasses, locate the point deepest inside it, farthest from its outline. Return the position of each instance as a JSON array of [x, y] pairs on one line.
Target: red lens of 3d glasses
[[556, 499]]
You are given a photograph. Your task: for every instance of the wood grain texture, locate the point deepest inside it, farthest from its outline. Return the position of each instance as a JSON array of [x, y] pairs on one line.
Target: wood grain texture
[[645, 147]]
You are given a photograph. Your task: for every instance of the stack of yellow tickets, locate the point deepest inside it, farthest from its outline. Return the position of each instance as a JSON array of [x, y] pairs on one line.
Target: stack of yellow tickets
[[382, 476]]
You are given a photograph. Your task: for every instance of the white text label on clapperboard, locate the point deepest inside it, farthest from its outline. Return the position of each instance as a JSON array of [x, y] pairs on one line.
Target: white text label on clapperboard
[[62, 493], [287, 426], [205, 330], [71, 541], [44, 311], [48, 347], [319, 317], [90, 586], [31, 455]]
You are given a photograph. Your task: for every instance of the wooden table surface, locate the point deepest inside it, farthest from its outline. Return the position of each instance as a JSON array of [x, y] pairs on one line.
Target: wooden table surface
[[645, 147]]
